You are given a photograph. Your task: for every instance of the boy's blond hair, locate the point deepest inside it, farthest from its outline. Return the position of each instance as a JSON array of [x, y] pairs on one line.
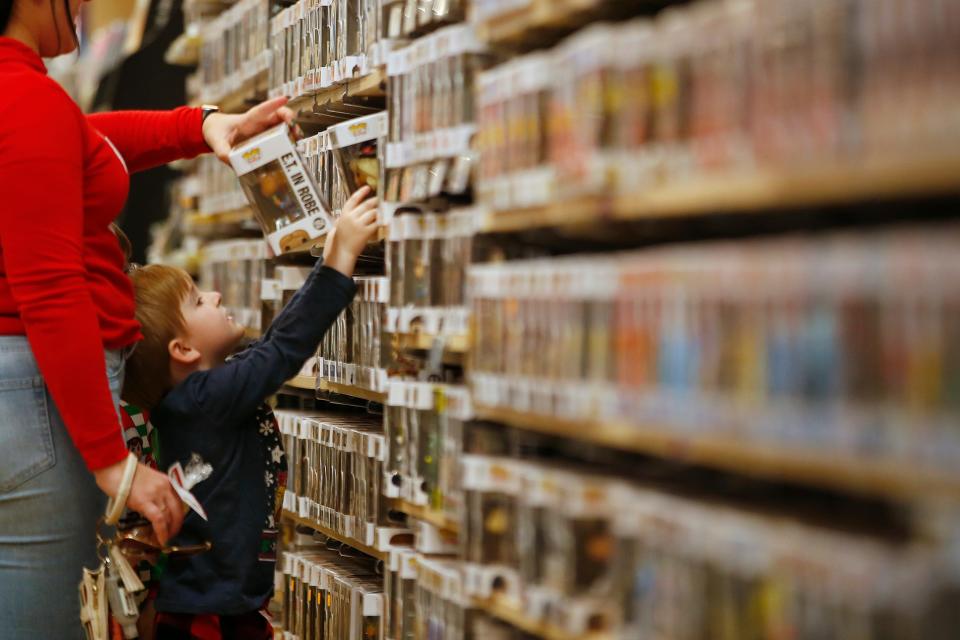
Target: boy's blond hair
[[159, 291]]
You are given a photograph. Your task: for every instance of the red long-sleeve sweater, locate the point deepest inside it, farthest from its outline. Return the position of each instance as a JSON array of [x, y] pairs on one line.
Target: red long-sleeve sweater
[[63, 179]]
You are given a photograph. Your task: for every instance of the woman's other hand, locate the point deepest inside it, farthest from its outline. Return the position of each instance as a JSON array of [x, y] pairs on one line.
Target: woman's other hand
[[223, 131]]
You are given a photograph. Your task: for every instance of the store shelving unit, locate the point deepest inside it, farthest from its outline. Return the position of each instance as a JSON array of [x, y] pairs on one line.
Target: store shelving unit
[[883, 484]]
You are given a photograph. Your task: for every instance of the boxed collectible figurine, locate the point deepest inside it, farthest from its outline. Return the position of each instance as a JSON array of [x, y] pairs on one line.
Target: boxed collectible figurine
[[355, 145], [280, 190]]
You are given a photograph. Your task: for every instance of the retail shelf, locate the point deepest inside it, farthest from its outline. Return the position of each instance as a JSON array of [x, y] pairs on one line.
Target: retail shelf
[[525, 24], [437, 519], [565, 213], [372, 85], [503, 610], [350, 390], [303, 382], [822, 185], [316, 526], [184, 51], [822, 469]]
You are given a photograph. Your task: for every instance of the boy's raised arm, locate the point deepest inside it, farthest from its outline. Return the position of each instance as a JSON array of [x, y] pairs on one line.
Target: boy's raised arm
[[236, 388]]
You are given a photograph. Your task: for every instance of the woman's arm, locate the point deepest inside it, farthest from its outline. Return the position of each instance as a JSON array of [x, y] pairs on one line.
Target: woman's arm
[[147, 139]]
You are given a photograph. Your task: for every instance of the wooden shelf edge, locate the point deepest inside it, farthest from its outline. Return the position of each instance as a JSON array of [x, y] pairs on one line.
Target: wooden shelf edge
[[824, 470], [316, 526], [437, 519], [369, 85], [349, 390], [761, 192], [303, 382], [510, 614], [540, 15]]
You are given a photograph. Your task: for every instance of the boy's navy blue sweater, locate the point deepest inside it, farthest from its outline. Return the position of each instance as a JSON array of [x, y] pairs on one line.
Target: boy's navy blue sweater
[[219, 414]]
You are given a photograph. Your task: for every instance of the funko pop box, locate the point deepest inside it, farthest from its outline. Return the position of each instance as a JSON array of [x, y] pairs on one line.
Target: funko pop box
[[280, 190]]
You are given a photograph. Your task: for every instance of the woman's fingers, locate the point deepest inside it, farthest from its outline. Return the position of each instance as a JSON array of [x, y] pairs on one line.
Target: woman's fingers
[[265, 114]]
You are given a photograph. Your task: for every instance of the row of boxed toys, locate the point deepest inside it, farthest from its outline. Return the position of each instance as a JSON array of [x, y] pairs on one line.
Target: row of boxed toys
[[345, 158], [427, 257], [335, 473], [236, 269], [424, 424], [431, 96], [327, 596], [720, 87], [431, 115], [279, 284], [318, 43], [649, 564], [351, 351], [234, 49], [843, 343]]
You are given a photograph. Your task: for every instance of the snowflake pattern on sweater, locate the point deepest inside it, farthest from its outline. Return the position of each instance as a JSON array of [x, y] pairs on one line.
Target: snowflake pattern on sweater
[[274, 478]]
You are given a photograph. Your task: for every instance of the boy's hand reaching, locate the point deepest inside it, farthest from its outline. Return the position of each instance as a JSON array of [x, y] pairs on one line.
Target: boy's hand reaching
[[356, 226]]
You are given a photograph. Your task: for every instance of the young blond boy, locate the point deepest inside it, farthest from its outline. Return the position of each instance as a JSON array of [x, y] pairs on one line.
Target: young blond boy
[[204, 402]]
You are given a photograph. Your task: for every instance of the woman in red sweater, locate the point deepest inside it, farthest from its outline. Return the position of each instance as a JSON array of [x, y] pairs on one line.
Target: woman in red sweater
[[67, 313]]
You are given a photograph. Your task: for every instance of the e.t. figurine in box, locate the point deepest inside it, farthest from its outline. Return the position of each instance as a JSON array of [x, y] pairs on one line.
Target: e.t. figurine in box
[[280, 190]]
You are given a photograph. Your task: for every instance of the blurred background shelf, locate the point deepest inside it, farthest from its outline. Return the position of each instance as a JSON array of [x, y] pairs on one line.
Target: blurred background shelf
[[758, 193], [503, 610], [895, 480], [184, 51]]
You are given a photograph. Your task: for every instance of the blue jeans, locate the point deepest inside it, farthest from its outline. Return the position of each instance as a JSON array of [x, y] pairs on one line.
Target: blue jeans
[[49, 502]]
